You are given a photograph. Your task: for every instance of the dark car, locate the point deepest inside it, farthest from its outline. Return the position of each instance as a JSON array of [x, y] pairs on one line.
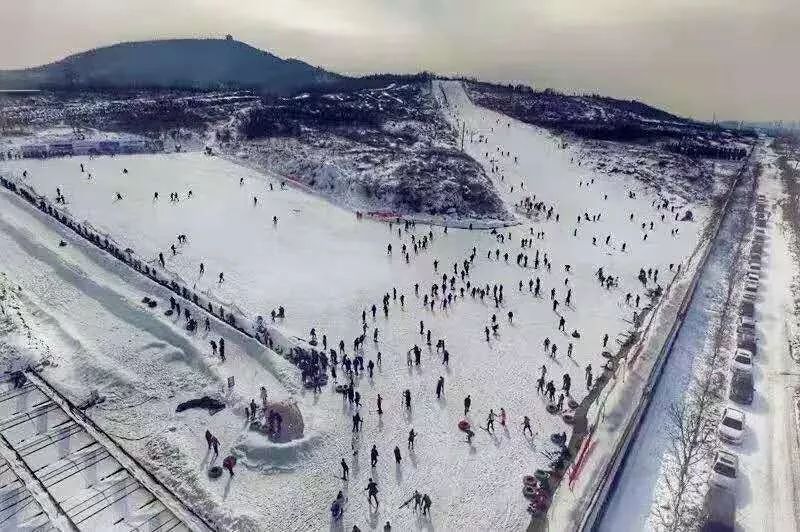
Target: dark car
[[741, 387], [720, 510]]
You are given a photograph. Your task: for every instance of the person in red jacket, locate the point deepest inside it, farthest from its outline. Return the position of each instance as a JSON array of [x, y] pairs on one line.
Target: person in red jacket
[[228, 463]]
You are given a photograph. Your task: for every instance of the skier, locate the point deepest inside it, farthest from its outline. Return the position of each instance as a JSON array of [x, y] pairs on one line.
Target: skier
[[502, 417], [407, 399], [411, 436], [467, 403], [345, 470], [490, 420], [380, 400], [397, 456], [439, 387]]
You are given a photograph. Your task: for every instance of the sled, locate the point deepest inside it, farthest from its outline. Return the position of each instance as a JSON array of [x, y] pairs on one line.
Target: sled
[[463, 425], [215, 472]]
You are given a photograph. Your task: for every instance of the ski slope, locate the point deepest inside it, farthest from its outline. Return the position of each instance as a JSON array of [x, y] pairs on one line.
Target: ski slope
[[326, 267]]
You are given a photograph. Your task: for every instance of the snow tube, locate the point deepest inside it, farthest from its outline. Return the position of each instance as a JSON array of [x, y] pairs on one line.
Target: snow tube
[[463, 425], [529, 492], [551, 409], [572, 404], [529, 480], [541, 474], [215, 472], [569, 418]]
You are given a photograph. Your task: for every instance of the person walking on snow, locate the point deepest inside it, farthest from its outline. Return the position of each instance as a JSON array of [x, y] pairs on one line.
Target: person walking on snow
[[373, 456], [372, 492], [526, 425], [426, 504], [490, 420], [467, 404], [345, 470], [397, 456], [411, 436]]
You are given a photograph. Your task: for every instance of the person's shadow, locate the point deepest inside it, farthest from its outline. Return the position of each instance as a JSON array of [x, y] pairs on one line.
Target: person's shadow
[[227, 488]]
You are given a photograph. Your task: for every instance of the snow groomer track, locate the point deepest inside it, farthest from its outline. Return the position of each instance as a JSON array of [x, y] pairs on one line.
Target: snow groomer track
[[58, 472]]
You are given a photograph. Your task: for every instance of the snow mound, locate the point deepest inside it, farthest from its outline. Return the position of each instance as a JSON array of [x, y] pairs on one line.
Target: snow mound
[[254, 451]]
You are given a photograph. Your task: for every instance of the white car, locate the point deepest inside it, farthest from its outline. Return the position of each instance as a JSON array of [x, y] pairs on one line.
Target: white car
[[723, 474], [742, 359], [731, 426]]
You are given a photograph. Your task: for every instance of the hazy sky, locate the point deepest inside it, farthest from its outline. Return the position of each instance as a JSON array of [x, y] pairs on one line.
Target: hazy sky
[[735, 58]]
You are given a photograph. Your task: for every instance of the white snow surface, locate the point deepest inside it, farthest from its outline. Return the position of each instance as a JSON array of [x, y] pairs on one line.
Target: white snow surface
[[325, 267]]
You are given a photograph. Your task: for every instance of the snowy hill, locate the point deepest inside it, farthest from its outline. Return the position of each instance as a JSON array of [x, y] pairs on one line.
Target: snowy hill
[[178, 63], [384, 148]]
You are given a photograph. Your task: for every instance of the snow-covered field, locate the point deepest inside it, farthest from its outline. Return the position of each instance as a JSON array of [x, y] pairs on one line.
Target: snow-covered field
[[326, 267]]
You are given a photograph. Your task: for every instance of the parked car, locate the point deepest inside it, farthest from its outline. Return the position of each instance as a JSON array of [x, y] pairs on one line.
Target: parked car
[[731, 426], [719, 510], [746, 330], [741, 390], [742, 359], [747, 321], [748, 343], [724, 471]]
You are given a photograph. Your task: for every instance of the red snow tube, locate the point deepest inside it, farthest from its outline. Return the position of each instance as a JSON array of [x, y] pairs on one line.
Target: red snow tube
[[463, 425]]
